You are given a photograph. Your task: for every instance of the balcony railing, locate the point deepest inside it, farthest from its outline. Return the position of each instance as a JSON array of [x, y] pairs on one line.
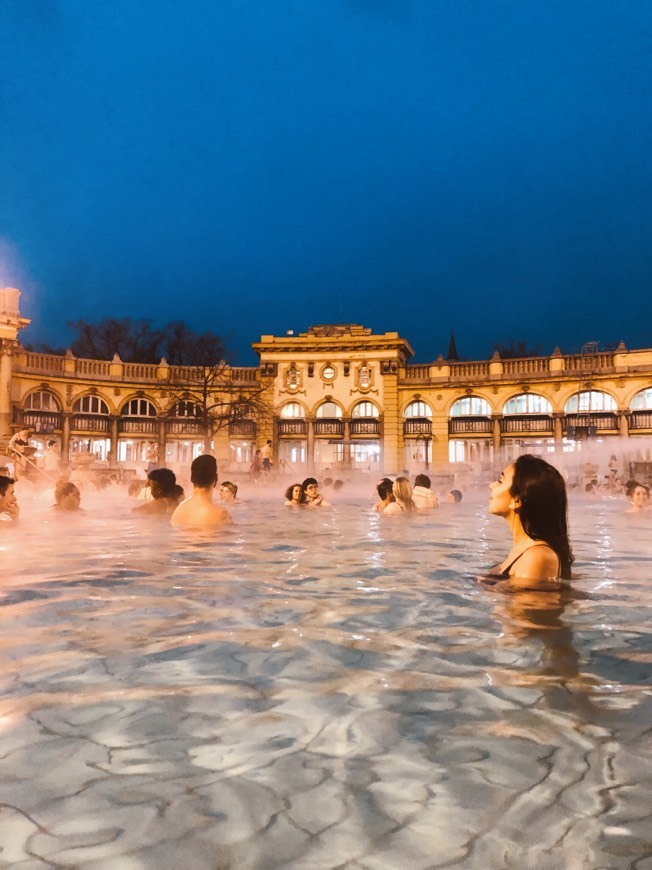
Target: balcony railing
[[417, 427], [244, 375], [140, 372], [535, 365], [331, 427], [591, 362], [42, 363], [184, 426], [603, 421], [364, 427], [90, 423], [526, 423], [38, 421], [469, 371], [294, 428], [470, 426], [243, 429], [93, 368], [138, 426], [417, 372], [640, 420]]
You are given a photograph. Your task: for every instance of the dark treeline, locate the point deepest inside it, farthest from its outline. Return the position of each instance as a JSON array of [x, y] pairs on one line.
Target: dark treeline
[[139, 341]]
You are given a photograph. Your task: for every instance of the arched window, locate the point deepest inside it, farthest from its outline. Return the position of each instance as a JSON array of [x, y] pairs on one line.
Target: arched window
[[292, 410], [139, 408], [528, 403], [90, 405], [42, 401], [186, 409], [329, 409], [365, 409], [417, 409], [471, 406], [590, 400], [642, 401]]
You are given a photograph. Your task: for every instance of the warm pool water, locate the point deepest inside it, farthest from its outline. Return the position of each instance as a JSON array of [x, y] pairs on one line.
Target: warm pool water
[[320, 689]]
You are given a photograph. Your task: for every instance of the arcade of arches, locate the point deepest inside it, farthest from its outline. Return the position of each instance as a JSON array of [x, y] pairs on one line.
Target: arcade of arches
[[336, 396]]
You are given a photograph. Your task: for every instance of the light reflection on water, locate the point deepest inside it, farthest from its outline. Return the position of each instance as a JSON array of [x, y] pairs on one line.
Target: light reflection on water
[[319, 689]]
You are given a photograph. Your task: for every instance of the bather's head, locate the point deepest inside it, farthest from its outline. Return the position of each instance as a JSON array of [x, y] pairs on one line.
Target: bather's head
[[67, 497], [161, 482], [203, 471]]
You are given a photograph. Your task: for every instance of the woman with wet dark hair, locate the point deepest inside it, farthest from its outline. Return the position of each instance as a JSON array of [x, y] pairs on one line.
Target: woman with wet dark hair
[[531, 496], [295, 496]]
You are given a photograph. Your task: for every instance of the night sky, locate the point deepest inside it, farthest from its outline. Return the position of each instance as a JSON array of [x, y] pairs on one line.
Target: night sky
[[254, 166]]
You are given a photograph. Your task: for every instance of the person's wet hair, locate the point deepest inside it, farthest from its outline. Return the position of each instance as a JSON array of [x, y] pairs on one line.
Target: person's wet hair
[[176, 494], [402, 489], [203, 471], [457, 495], [422, 480], [232, 487], [544, 506], [165, 479], [65, 490], [384, 487], [5, 483], [631, 485]]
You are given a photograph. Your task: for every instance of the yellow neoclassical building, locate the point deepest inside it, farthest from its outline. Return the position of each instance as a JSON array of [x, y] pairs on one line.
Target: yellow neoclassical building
[[336, 396]]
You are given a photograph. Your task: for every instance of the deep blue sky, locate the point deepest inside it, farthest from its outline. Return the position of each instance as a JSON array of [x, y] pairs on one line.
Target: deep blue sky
[[253, 166]]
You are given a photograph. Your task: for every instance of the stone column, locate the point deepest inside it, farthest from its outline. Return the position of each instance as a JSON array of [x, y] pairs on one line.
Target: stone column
[[496, 431], [162, 444], [310, 450], [113, 451], [558, 429], [7, 347], [65, 438], [623, 423]]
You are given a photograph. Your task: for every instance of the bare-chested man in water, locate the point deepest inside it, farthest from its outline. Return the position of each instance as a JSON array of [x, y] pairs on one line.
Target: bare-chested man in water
[[198, 511]]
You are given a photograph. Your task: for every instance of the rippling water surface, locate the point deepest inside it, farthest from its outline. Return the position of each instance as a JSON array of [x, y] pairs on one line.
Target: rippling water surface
[[321, 689]]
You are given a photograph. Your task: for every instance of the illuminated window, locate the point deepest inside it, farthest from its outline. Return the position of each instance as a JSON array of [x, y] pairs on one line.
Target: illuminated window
[[329, 409], [41, 401], [589, 400], [642, 401], [471, 406], [365, 409], [418, 409], [328, 373], [90, 405], [292, 410], [139, 408], [528, 403]]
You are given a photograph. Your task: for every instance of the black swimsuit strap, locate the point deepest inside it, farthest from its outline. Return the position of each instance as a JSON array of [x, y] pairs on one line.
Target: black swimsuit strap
[[505, 571]]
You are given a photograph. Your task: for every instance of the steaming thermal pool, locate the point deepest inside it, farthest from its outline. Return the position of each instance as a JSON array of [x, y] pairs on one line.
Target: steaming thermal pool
[[323, 688]]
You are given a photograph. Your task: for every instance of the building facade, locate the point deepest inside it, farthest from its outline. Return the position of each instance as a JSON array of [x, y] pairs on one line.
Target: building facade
[[336, 396]]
